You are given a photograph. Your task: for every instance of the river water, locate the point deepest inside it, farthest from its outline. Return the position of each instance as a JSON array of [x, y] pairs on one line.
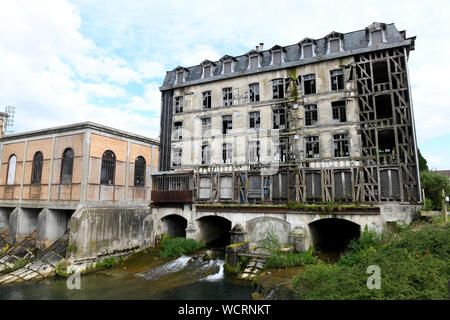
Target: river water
[[143, 276]]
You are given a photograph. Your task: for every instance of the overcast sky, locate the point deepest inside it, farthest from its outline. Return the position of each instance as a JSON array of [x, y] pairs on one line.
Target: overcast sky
[[67, 61]]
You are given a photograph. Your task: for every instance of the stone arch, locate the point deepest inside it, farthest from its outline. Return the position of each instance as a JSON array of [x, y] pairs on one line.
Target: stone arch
[[214, 230], [333, 234], [258, 228], [174, 225]]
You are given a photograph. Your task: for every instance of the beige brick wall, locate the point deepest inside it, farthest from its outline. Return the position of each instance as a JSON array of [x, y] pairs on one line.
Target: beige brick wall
[[99, 144]]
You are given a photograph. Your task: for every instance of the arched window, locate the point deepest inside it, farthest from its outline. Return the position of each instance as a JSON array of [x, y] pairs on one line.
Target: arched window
[[139, 172], [67, 166], [11, 169], [108, 166], [36, 171]]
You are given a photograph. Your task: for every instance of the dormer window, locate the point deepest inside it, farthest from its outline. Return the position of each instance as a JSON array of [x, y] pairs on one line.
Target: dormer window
[[207, 68], [227, 62], [376, 32], [253, 59], [307, 47], [254, 62], [376, 37], [277, 55], [180, 73], [334, 40]]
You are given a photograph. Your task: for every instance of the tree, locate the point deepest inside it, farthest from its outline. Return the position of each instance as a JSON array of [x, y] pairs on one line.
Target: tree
[[423, 166], [433, 183]]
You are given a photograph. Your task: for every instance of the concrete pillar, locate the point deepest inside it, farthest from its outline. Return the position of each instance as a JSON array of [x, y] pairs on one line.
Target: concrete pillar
[[52, 224], [22, 223], [4, 218]]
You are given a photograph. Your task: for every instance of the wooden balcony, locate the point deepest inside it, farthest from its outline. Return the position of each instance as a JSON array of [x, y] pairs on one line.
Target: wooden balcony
[[172, 196]]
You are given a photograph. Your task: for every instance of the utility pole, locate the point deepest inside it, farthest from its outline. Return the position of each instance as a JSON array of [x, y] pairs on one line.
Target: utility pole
[[444, 205]]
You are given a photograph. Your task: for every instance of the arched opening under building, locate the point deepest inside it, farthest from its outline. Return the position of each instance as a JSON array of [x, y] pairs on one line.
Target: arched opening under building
[[174, 225], [215, 231], [333, 235]]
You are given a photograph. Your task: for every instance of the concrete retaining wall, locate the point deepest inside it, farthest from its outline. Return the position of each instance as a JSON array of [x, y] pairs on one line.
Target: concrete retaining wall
[[97, 232]]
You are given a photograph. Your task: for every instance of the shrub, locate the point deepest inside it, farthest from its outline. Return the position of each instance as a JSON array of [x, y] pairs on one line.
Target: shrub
[[174, 247], [433, 183], [284, 260]]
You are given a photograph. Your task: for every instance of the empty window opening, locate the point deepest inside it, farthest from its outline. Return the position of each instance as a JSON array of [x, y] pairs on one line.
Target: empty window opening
[[339, 111], [177, 156], [11, 169], [178, 104], [278, 88], [383, 106], [380, 72], [312, 147], [206, 154], [178, 130], [206, 127], [279, 119], [108, 168], [253, 92], [254, 120], [307, 51], [227, 153], [227, 94], [386, 145], [340, 145], [140, 167], [309, 84], [337, 79], [207, 100], [311, 115], [333, 235], [253, 151], [67, 166], [227, 124], [281, 148], [36, 172]]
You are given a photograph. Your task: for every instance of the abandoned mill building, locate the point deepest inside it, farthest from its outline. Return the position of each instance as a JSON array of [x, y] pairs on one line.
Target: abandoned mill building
[[247, 142]]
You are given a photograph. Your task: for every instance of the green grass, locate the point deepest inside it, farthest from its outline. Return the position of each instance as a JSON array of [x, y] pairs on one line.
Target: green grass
[[413, 264], [285, 260], [175, 247]]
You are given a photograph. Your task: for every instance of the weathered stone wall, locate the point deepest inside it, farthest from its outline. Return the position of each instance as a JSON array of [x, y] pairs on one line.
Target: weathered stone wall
[[100, 231]]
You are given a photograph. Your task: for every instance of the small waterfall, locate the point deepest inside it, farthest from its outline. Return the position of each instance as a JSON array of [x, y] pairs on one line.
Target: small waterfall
[[167, 268], [216, 276]]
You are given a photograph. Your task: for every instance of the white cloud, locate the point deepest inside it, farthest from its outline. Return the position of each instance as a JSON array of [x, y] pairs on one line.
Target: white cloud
[[151, 101]]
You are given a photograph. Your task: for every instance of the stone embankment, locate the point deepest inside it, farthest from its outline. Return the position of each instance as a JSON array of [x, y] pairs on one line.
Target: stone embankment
[[41, 265]]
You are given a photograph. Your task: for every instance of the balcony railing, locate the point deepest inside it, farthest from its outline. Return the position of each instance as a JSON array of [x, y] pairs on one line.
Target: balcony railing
[[173, 186]]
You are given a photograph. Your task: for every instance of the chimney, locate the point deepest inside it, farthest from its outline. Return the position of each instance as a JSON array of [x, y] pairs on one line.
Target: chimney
[[257, 48], [261, 45]]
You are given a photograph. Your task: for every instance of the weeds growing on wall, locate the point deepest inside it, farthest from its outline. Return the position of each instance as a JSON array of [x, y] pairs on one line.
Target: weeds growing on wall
[[174, 247]]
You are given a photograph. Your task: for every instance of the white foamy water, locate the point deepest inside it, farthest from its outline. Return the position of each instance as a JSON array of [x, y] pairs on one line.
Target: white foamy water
[[169, 267], [217, 276]]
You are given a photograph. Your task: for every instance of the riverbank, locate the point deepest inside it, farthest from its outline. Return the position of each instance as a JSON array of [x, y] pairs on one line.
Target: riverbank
[[414, 263]]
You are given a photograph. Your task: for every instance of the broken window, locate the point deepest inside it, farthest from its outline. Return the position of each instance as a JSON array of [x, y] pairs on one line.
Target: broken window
[[339, 111], [390, 183], [337, 79], [383, 106], [334, 45], [278, 88], [386, 146], [253, 151], [280, 153], [178, 104], [312, 147], [340, 147], [311, 115], [380, 72], [376, 37], [342, 185], [227, 124], [309, 84], [108, 168], [254, 120], [276, 57], [227, 94], [36, 170], [139, 172], [67, 166], [11, 169], [207, 100], [206, 127], [253, 92], [254, 62], [313, 186], [227, 153], [307, 51], [206, 71], [176, 157], [279, 119], [178, 130], [227, 67], [206, 154]]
